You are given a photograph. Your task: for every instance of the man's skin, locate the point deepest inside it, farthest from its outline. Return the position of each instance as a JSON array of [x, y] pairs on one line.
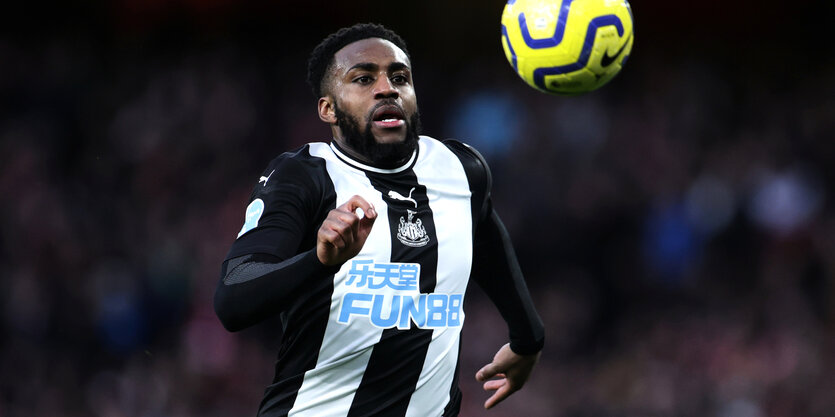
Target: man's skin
[[371, 80]]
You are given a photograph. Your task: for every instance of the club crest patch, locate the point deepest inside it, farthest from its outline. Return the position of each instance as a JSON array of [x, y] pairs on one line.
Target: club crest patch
[[412, 233]]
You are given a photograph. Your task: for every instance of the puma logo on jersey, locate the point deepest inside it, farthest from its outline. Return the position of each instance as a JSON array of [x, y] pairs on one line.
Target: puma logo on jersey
[[397, 196], [265, 179]]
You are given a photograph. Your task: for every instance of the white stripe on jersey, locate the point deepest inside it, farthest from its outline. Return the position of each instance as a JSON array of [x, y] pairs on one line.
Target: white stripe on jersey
[[319, 395], [449, 195], [326, 392]]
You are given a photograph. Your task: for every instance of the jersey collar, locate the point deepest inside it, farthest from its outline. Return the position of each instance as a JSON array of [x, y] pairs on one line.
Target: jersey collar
[[357, 164]]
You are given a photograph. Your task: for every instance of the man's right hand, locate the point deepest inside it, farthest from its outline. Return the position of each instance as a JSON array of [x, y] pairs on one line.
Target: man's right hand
[[343, 233]]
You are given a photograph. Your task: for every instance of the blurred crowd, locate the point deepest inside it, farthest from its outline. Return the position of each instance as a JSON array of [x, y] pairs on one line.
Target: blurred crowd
[[675, 227]]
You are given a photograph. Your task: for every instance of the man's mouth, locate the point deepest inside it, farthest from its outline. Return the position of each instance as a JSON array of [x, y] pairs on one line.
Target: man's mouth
[[388, 117]]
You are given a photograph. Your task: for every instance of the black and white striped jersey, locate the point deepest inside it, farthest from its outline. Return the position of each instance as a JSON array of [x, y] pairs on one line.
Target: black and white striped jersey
[[380, 334]]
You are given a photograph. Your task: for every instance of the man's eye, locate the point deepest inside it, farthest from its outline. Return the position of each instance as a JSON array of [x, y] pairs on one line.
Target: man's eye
[[363, 80], [399, 79]]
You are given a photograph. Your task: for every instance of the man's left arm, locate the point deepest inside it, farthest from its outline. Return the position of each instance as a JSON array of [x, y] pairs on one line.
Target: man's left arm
[[497, 272]]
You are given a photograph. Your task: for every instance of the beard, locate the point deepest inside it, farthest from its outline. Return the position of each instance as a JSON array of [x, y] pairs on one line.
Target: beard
[[382, 155]]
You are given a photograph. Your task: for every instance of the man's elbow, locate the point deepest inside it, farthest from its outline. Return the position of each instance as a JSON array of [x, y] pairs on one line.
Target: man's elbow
[[231, 325], [230, 319]]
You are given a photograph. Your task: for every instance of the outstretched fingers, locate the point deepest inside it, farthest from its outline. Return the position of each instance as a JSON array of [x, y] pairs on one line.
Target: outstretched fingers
[[502, 390], [486, 372], [511, 371], [501, 386]]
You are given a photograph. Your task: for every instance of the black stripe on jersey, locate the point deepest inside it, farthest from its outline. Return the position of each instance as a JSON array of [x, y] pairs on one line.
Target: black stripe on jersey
[[453, 407], [305, 323], [304, 331], [397, 360]]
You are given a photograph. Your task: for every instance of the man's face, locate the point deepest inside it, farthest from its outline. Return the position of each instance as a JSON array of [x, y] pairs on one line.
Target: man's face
[[374, 101]]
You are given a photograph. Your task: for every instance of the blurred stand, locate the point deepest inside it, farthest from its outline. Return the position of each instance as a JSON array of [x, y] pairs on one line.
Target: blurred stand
[[676, 227]]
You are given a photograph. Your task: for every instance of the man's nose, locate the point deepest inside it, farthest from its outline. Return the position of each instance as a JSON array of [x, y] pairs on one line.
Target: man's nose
[[383, 88]]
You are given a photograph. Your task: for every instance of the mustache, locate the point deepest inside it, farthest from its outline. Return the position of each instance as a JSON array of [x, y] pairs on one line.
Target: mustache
[[384, 102]]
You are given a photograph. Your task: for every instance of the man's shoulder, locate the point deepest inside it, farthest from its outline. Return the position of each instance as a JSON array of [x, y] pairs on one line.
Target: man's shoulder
[[476, 168], [299, 167], [303, 154], [470, 158], [299, 160], [463, 151]]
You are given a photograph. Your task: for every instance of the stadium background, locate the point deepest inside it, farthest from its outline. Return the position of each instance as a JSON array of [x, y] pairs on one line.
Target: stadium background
[[676, 227]]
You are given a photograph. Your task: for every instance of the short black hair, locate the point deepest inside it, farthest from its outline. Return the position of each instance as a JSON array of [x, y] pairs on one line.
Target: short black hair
[[321, 58]]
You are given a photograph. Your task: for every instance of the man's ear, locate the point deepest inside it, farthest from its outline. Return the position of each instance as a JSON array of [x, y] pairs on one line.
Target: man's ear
[[326, 110]]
